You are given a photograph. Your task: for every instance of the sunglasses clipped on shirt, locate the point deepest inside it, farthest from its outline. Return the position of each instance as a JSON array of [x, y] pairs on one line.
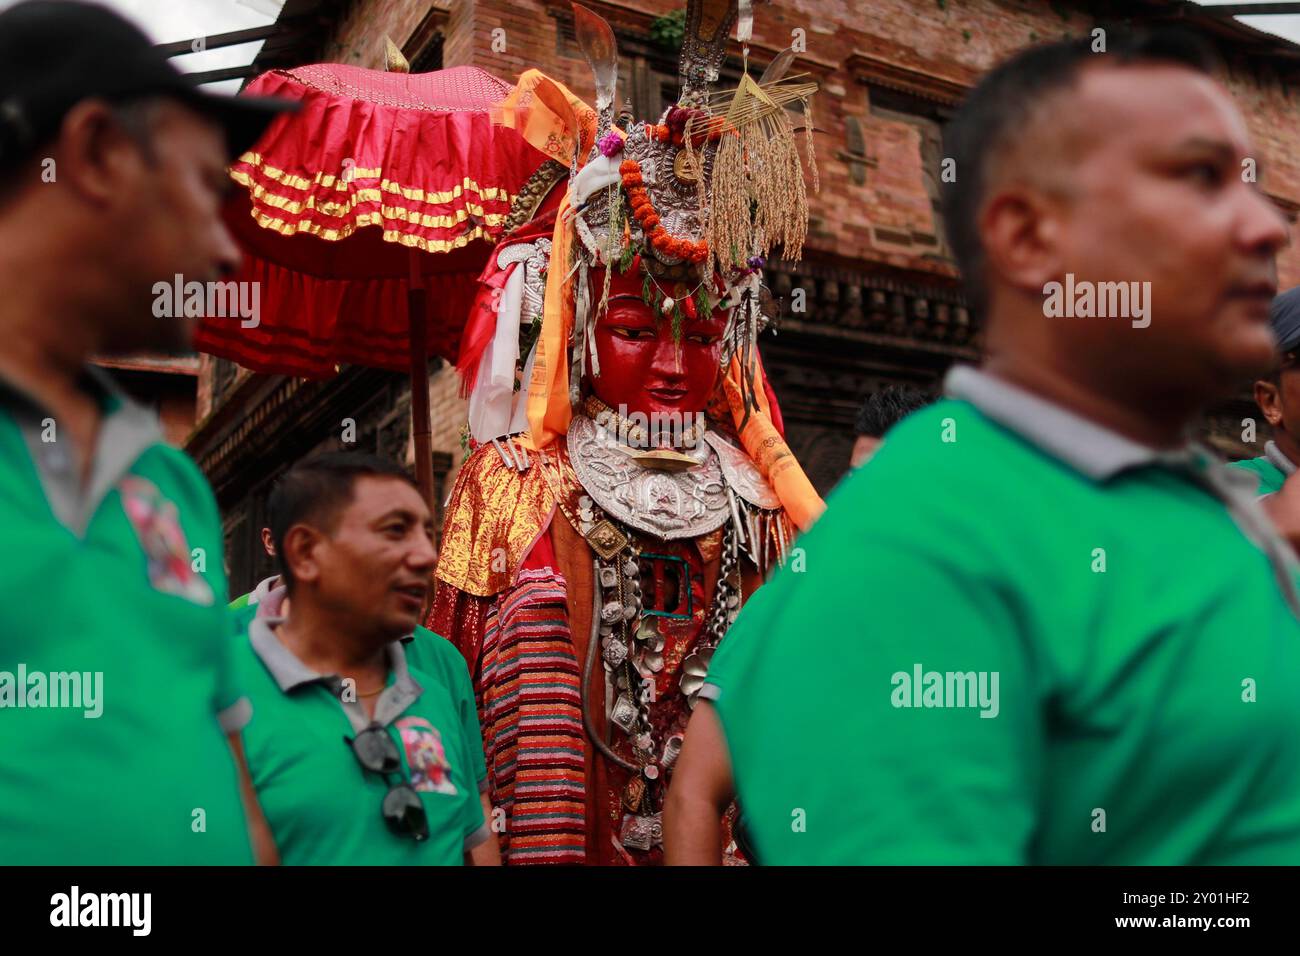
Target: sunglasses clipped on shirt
[[402, 807]]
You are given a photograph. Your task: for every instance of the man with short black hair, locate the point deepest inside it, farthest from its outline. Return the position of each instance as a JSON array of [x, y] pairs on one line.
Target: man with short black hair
[[1278, 397], [1046, 628], [112, 168], [362, 751], [882, 410]]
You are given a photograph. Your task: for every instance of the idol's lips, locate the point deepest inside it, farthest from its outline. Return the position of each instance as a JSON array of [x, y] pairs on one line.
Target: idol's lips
[[668, 394]]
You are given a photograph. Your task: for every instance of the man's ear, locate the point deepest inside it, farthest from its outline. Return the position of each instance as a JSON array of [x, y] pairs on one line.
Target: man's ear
[[96, 155], [302, 544], [1020, 228], [1269, 399]]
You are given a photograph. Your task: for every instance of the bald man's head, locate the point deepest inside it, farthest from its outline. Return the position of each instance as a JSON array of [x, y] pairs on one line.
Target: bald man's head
[[1105, 220], [1017, 123]]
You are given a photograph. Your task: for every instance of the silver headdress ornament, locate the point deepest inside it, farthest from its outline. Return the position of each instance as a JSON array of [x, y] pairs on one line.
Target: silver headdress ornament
[[695, 202]]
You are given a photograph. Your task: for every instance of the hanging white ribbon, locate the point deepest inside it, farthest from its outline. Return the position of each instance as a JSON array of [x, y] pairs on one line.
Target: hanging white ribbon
[[492, 400], [519, 420]]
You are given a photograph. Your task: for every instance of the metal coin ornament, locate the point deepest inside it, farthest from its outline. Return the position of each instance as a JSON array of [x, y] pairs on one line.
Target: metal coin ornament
[[615, 652], [647, 631], [672, 748], [684, 169], [624, 713], [694, 669], [642, 832]]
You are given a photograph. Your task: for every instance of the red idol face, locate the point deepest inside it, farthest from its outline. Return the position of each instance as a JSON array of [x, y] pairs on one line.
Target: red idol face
[[641, 367]]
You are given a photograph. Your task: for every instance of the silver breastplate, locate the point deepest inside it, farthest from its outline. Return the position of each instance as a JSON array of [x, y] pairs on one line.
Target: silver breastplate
[[669, 505]]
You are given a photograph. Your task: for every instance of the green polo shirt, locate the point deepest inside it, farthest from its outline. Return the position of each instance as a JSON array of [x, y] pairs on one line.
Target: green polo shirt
[[1146, 708], [322, 807], [114, 591], [1265, 467]]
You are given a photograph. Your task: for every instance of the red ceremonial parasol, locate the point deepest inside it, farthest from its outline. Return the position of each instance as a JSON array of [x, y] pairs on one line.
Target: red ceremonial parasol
[[366, 218]]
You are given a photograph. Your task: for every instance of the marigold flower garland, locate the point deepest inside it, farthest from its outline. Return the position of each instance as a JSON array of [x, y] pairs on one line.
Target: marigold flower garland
[[634, 186]]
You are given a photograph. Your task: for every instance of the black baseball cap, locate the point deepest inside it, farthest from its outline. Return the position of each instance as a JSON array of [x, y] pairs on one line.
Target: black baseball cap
[[1285, 318], [56, 53]]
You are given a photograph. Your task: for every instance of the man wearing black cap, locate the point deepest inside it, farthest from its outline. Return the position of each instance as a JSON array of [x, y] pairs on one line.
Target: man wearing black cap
[[1278, 397], [117, 706]]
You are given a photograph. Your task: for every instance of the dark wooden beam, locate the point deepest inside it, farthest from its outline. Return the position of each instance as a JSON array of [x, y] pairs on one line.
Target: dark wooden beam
[[1252, 9], [233, 38], [228, 73]]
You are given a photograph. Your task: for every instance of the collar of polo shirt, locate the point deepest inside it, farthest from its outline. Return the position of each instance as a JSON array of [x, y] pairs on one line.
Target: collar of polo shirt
[[128, 429], [290, 673], [1102, 454]]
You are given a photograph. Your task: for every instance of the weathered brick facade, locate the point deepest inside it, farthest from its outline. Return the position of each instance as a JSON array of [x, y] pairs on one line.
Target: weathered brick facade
[[879, 293], [853, 50]]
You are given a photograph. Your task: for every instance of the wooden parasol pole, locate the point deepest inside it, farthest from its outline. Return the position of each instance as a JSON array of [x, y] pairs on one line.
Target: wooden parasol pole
[[417, 322], [421, 424]]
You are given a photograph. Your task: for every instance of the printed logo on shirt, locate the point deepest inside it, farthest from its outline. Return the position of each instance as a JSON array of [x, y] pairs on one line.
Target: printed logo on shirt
[[157, 525], [430, 772]]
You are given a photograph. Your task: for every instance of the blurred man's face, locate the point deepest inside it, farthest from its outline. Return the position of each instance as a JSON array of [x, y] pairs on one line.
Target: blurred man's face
[[1152, 159], [170, 223], [375, 566]]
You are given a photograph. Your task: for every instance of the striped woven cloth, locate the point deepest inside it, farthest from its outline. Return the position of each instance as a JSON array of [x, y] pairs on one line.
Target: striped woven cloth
[[532, 722]]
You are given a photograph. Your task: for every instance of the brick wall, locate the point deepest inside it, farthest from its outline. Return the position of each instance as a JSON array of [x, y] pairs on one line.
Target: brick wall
[[447, 413], [953, 42]]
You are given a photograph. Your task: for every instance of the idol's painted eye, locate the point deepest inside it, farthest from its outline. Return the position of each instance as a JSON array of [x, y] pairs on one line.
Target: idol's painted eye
[[632, 332], [702, 338]]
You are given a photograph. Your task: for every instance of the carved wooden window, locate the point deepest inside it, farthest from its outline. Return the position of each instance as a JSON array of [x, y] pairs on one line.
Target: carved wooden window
[[423, 49], [928, 118], [855, 150]]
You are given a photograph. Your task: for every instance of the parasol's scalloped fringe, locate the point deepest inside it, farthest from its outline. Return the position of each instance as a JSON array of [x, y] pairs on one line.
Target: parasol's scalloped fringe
[[372, 219], [336, 182], [362, 196]]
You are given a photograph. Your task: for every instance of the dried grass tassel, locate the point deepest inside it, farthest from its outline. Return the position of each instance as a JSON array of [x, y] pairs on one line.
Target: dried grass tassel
[[758, 184], [808, 143]]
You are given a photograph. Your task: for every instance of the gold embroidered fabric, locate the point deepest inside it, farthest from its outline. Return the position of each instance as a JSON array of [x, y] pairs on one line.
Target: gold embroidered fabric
[[494, 515]]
